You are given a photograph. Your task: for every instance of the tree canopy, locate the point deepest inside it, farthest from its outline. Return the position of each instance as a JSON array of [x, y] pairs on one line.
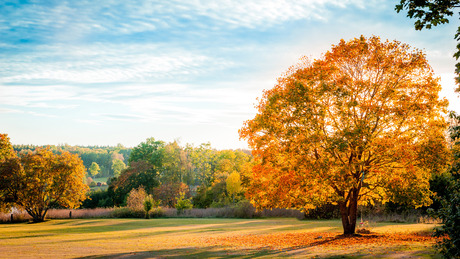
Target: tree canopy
[[433, 13], [94, 169], [364, 123], [39, 180]]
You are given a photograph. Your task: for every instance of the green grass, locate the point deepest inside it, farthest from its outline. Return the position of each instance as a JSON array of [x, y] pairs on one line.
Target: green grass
[[100, 179], [139, 238]]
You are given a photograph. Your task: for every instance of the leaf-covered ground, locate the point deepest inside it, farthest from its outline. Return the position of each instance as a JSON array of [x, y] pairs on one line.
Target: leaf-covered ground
[[327, 244], [210, 238], [290, 240]]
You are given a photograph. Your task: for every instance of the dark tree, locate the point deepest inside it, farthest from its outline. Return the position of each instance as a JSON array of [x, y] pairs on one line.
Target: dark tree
[[432, 13]]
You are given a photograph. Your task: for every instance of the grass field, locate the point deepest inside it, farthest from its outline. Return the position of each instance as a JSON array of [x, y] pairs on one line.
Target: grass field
[[209, 238]]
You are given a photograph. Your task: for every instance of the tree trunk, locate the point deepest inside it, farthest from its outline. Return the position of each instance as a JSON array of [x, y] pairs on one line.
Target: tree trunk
[[349, 212], [37, 215]]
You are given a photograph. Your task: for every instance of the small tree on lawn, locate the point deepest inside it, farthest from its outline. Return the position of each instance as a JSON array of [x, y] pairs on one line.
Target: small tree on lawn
[[148, 205], [183, 203], [41, 179]]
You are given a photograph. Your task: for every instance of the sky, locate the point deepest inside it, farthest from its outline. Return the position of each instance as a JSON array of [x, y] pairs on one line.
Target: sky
[[111, 71]]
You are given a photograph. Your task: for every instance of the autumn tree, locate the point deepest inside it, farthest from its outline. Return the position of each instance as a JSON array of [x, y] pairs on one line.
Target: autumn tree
[[363, 123], [433, 13], [136, 198], [41, 180], [233, 185], [8, 165], [139, 173]]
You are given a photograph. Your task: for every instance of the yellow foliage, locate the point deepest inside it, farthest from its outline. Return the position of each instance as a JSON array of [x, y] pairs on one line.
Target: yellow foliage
[[358, 125]]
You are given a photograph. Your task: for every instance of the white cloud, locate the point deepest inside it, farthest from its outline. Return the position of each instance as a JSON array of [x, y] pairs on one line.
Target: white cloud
[[73, 20], [105, 63], [36, 96]]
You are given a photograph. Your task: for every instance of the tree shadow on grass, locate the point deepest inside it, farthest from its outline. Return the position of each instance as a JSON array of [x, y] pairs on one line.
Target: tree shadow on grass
[[210, 252]]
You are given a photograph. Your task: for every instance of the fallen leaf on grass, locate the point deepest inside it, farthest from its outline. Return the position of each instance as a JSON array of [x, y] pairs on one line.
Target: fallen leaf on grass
[[290, 240]]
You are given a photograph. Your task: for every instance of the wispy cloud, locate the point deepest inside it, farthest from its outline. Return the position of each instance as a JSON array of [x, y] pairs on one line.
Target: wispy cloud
[[75, 20], [174, 67], [104, 64]]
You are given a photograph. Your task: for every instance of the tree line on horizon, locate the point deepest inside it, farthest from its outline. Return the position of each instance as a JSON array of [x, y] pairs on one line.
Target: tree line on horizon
[[209, 176]]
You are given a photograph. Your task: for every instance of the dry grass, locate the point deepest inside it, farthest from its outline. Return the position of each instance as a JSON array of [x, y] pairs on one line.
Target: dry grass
[[199, 237], [80, 213]]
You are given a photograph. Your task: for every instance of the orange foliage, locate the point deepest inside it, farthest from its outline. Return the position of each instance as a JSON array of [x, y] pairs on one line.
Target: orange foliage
[[362, 124], [298, 240]]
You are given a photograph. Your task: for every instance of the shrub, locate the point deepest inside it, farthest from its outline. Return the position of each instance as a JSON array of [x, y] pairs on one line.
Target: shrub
[[80, 213], [18, 216], [97, 199], [148, 204], [244, 209], [125, 212], [449, 246], [326, 211], [182, 203], [156, 212], [169, 192], [136, 197]]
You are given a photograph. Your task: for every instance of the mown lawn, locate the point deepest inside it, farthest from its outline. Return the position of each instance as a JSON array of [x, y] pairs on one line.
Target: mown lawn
[[209, 238]]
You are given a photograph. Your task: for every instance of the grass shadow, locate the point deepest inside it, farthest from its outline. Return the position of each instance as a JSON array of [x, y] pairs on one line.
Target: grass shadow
[[203, 252]]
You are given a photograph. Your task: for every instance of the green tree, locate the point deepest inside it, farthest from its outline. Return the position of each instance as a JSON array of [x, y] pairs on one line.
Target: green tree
[[432, 13], [94, 169], [204, 160], [117, 167], [148, 151], [175, 165], [148, 205], [362, 124], [449, 212], [182, 203]]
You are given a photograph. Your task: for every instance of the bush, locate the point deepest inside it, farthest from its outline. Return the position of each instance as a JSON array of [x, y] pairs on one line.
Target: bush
[[169, 192], [148, 205], [182, 203], [244, 209], [157, 213], [97, 199], [18, 216], [449, 246], [125, 212], [80, 213], [136, 197], [326, 211]]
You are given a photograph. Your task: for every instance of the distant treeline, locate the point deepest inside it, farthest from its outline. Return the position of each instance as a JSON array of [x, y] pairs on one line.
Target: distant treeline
[[104, 156], [208, 176]]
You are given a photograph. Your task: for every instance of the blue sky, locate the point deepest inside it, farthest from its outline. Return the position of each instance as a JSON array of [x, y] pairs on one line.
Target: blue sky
[[108, 72]]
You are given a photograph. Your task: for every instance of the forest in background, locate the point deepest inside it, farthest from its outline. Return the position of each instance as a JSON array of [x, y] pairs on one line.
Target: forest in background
[[167, 171], [104, 156]]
